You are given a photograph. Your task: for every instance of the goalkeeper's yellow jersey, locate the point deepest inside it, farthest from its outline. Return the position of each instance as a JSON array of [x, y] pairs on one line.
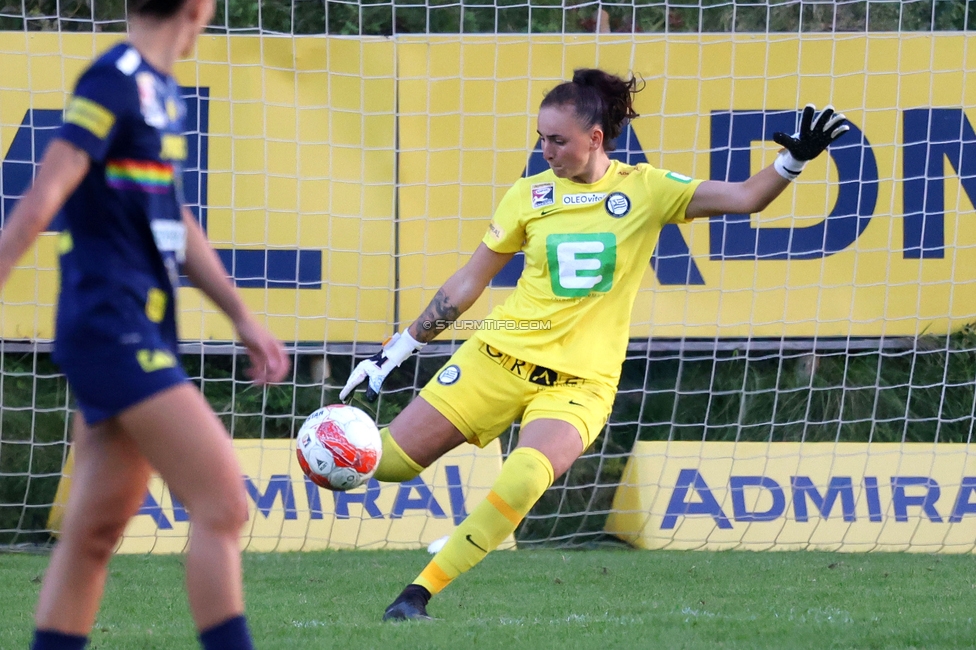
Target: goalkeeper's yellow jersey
[[586, 248]]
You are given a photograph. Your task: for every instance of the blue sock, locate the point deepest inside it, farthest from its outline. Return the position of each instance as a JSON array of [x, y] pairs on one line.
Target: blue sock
[[229, 635], [51, 640]]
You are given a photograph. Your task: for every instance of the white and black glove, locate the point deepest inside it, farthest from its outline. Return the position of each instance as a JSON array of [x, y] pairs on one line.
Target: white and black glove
[[810, 141], [396, 349]]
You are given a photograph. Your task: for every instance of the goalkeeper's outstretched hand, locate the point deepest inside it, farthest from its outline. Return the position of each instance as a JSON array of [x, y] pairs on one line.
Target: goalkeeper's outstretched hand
[[810, 141], [396, 349]]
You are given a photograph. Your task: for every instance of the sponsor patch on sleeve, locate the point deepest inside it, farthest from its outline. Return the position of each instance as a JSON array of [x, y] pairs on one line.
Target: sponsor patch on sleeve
[[89, 115], [496, 232], [681, 178]]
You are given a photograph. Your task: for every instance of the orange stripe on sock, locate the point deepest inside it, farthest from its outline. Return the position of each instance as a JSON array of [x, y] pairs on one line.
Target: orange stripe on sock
[[435, 577], [501, 506]]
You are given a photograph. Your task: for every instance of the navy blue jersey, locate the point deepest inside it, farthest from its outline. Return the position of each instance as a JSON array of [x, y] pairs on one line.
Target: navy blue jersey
[[124, 239]]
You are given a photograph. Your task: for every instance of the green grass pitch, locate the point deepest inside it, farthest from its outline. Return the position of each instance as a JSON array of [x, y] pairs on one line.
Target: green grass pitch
[[545, 599]]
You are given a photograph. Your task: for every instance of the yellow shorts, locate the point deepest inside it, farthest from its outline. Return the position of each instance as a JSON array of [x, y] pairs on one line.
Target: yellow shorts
[[482, 390]]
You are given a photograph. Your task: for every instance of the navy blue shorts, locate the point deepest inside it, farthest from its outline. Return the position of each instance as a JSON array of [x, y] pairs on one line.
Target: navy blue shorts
[[108, 379]]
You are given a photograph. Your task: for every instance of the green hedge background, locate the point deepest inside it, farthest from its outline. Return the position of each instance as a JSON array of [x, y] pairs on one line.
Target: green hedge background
[[924, 393]]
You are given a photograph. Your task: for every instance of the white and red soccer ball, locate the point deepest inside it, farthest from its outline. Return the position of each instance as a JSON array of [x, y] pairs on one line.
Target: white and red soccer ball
[[339, 447]]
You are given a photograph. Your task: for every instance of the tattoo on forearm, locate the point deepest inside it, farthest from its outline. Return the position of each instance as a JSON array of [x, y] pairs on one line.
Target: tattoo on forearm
[[438, 316]]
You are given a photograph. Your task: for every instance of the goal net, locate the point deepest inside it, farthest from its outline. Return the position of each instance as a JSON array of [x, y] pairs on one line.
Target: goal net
[[800, 378]]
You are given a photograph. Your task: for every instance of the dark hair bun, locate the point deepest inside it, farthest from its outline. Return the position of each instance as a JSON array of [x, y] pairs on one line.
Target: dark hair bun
[[598, 98]]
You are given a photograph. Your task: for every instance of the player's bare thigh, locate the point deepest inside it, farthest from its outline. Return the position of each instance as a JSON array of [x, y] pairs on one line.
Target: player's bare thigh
[[184, 440], [423, 433], [108, 481], [107, 462], [558, 440]]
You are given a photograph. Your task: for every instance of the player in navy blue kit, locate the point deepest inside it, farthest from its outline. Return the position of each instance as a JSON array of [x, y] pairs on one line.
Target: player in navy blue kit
[[115, 168]]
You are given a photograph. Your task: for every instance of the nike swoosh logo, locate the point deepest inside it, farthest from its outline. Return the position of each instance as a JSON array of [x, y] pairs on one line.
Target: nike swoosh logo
[[545, 212], [475, 544], [575, 403]]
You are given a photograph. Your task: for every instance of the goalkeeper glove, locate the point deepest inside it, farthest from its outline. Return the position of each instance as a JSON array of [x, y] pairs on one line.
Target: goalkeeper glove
[[809, 142], [395, 350]]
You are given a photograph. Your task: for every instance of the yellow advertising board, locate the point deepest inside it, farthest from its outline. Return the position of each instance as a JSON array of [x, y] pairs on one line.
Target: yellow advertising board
[[873, 240], [287, 512], [344, 180], [291, 172], [798, 496]]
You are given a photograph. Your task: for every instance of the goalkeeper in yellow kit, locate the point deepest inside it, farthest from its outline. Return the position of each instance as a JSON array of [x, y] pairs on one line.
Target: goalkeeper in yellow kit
[[551, 353]]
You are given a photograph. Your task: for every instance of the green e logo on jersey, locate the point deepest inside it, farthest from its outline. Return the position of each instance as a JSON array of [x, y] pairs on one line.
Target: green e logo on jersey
[[581, 263]]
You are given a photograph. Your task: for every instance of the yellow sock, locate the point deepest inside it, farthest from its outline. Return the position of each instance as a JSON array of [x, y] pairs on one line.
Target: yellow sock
[[395, 466], [525, 476]]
